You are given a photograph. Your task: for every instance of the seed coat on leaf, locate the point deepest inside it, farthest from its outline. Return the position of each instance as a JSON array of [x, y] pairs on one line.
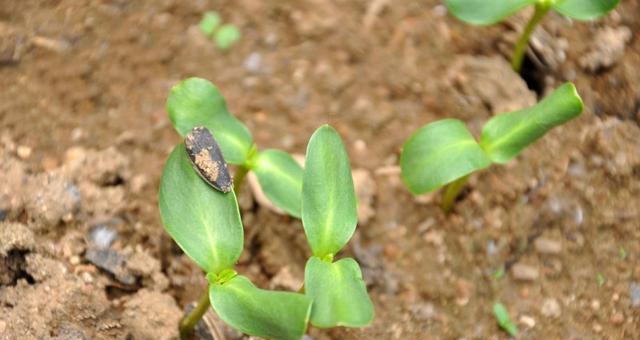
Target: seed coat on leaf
[[206, 157]]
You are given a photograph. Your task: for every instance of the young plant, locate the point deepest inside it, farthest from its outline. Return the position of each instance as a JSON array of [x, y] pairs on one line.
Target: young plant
[[329, 216], [197, 102], [224, 36], [444, 152], [205, 223], [483, 12]]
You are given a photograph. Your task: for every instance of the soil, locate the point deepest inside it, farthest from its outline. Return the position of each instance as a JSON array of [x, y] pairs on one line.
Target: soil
[[84, 135]]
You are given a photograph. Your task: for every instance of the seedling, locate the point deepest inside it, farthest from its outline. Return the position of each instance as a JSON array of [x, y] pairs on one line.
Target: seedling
[[329, 216], [224, 36], [483, 12], [196, 102], [444, 152], [504, 320]]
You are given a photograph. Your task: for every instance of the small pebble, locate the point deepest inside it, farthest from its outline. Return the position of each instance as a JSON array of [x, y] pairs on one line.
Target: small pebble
[[550, 308], [23, 152], [597, 328], [528, 321], [617, 318], [524, 272], [595, 305], [3, 326], [634, 291], [547, 246]]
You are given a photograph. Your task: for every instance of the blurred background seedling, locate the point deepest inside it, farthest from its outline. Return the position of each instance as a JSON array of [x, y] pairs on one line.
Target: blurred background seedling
[[223, 35]]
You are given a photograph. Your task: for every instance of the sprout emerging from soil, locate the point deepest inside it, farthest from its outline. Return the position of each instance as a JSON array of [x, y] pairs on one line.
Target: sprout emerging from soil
[[205, 222], [445, 153], [483, 12], [224, 36]]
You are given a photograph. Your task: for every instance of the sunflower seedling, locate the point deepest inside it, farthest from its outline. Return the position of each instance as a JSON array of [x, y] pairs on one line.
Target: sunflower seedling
[[196, 102], [224, 36], [329, 216], [483, 12], [444, 152]]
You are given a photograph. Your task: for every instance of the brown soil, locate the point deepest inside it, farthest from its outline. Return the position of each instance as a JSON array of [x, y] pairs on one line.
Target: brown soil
[[84, 135]]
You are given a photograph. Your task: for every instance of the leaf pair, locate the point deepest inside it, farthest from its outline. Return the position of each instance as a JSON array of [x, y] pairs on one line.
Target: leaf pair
[[206, 224], [329, 216], [483, 12], [444, 151], [224, 36], [197, 102]]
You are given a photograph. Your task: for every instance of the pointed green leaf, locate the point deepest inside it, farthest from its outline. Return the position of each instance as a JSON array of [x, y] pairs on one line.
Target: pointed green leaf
[[258, 312], [280, 177], [584, 9], [504, 136], [203, 221], [197, 102], [329, 212], [438, 154], [485, 12], [338, 292], [504, 320]]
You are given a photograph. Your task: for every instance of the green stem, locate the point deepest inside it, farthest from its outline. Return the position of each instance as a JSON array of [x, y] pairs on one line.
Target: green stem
[[521, 46], [238, 179], [189, 322], [453, 190]]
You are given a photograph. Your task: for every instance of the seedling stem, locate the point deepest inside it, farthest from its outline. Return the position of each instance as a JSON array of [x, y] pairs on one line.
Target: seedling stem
[[238, 179], [521, 46], [453, 190], [191, 320]]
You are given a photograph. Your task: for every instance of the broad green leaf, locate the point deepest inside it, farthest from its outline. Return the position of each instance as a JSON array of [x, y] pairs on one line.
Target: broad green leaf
[[329, 212], [584, 9], [439, 153], [210, 22], [197, 102], [504, 320], [227, 36], [485, 12], [258, 312], [280, 177], [338, 292], [203, 221], [504, 136]]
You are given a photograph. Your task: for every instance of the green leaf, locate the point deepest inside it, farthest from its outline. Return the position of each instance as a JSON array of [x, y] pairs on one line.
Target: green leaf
[[280, 177], [227, 36], [504, 321], [338, 292], [504, 136], [203, 221], [584, 9], [438, 154], [210, 21], [197, 102], [485, 12], [329, 212], [258, 312]]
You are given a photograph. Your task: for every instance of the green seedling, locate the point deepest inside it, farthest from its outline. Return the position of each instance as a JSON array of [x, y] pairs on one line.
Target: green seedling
[[504, 320], [197, 102], [483, 12], [205, 223], [224, 36], [444, 152], [329, 216]]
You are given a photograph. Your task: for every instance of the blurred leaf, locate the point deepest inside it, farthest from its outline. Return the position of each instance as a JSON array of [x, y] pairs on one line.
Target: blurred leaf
[[329, 212], [338, 292], [504, 136], [280, 177], [204, 222], [584, 9], [485, 12], [439, 153], [197, 102], [258, 312], [504, 320], [210, 22], [227, 36]]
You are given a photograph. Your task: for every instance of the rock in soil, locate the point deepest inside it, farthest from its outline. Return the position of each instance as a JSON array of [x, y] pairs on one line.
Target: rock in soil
[[547, 246], [54, 198], [489, 82], [607, 48], [151, 315], [551, 308], [524, 272]]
